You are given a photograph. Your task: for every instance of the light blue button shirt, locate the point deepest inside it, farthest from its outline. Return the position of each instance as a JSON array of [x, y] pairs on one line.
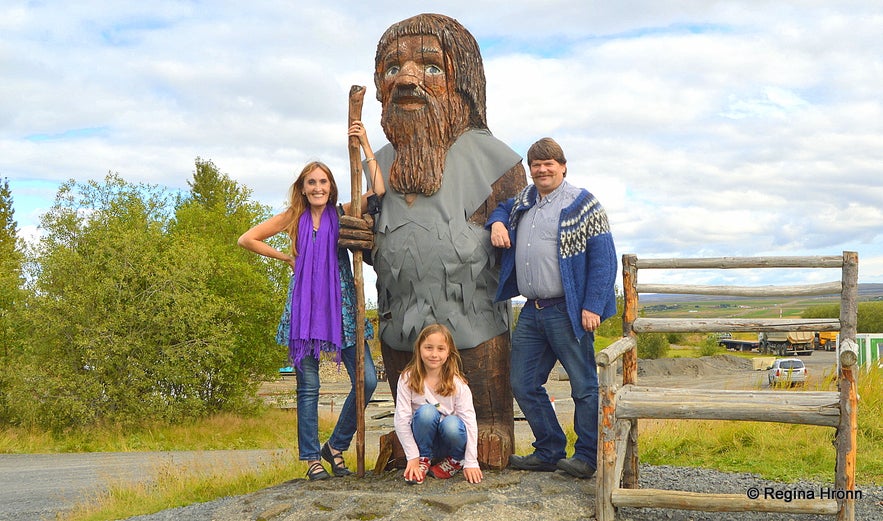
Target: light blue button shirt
[[536, 246]]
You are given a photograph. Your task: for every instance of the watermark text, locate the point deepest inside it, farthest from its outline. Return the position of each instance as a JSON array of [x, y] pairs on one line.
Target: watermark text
[[790, 494]]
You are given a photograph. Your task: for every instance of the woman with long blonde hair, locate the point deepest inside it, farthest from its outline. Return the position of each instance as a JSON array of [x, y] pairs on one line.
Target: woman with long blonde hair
[[319, 315]]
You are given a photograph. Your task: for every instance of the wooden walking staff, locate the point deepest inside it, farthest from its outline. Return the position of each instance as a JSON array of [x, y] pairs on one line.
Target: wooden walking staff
[[357, 96]]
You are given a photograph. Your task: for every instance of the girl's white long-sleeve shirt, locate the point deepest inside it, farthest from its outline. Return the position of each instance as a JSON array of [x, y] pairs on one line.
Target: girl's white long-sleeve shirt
[[458, 404]]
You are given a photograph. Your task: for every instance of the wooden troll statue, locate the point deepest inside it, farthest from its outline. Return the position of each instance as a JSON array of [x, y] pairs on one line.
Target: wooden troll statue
[[444, 173]]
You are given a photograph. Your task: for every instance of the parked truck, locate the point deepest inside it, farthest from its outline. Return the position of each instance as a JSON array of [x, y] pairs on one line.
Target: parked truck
[[794, 343], [827, 340], [738, 345]]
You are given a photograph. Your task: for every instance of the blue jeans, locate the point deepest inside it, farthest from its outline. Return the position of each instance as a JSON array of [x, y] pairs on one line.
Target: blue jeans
[[542, 337], [438, 436], [308, 404]]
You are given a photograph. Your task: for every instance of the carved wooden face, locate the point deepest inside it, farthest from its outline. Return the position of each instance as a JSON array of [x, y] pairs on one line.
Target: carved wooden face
[[414, 68]]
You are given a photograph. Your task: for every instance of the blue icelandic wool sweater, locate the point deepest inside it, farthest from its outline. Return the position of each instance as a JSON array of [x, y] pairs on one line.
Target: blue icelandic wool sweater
[[586, 254]]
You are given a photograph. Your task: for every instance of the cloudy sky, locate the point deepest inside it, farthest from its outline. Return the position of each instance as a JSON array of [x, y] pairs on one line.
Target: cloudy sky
[[705, 128]]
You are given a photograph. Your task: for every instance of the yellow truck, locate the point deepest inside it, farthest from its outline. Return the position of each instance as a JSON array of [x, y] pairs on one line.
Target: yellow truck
[[827, 340], [794, 343]]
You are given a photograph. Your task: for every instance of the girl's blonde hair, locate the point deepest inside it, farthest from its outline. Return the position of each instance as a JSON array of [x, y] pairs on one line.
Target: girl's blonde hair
[[298, 202], [452, 368]]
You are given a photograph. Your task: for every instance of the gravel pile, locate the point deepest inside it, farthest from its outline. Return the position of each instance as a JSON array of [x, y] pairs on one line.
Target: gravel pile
[[692, 367]]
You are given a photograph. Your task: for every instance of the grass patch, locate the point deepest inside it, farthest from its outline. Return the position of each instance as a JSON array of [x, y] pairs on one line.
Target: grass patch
[[171, 486], [777, 451], [269, 429]]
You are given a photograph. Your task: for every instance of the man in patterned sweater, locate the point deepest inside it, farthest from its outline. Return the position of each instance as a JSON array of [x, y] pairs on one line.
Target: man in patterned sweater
[[559, 254]]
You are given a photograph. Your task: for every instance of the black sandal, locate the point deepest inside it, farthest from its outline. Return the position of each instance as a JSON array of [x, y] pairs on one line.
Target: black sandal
[[317, 472], [338, 465]]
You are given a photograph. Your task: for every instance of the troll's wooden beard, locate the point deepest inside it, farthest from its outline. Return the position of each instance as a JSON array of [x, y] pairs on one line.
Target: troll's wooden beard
[[421, 139]]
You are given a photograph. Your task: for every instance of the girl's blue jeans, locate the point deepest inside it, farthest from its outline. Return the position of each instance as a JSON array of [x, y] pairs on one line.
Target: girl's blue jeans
[[438, 436], [308, 404]]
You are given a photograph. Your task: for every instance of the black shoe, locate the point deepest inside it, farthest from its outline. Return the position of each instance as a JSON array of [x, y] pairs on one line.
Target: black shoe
[[317, 472], [576, 468], [338, 466], [532, 462]]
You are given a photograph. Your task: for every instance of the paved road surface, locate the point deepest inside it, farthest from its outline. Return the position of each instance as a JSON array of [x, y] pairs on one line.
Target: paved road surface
[[37, 486]]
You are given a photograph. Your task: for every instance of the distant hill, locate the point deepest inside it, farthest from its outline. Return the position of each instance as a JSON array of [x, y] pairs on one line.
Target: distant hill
[[865, 292], [871, 290]]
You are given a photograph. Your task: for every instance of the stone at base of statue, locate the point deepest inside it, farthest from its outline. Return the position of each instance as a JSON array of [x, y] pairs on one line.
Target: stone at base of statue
[[494, 448], [391, 455]]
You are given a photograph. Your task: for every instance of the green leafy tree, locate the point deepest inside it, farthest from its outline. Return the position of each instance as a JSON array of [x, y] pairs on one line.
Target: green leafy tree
[[11, 259], [213, 216], [870, 315], [612, 327], [128, 325], [12, 295]]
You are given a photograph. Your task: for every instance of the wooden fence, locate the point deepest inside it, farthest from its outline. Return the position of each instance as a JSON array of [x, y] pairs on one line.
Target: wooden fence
[[623, 402]]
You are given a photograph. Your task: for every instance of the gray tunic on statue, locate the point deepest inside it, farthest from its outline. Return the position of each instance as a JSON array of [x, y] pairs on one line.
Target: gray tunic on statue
[[432, 264]]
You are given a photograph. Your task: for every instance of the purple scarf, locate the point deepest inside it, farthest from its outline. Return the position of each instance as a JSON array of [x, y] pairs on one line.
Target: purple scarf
[[316, 323]]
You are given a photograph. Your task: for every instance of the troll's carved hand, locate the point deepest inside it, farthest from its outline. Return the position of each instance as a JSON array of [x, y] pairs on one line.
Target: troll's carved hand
[[356, 233]]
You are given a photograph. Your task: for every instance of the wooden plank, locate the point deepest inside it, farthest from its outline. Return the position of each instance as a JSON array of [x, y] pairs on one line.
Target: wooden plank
[[831, 261], [804, 290], [676, 499], [614, 351], [630, 466], [845, 442], [606, 479], [630, 472], [849, 296], [623, 430], [730, 395], [695, 325], [818, 408], [630, 295]]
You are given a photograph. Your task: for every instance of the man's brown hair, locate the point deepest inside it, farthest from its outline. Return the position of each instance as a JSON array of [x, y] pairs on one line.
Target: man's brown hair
[[546, 148]]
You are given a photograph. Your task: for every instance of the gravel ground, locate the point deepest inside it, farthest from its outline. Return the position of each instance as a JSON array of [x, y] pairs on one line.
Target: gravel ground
[[870, 507]]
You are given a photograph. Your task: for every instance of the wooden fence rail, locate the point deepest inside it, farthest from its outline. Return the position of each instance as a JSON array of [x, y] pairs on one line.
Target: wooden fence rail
[[827, 288], [711, 325], [623, 402]]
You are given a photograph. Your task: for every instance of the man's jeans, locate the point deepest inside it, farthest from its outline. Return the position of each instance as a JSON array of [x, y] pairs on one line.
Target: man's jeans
[[438, 436], [308, 404], [542, 337]]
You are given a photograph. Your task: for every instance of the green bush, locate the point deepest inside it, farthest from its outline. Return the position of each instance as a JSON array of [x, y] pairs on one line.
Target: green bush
[[652, 345], [709, 346], [675, 338]]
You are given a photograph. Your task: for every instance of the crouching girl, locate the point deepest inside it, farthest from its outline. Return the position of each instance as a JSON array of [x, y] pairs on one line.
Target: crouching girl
[[435, 418]]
